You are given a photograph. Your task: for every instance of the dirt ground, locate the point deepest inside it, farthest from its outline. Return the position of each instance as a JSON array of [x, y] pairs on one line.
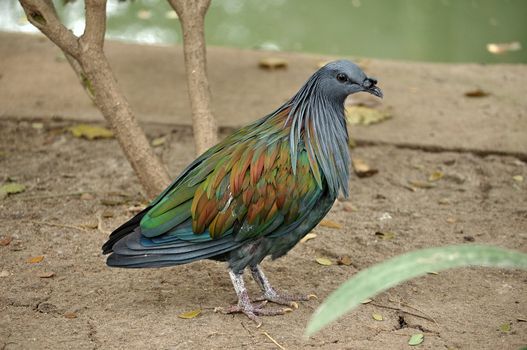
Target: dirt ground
[[79, 190]]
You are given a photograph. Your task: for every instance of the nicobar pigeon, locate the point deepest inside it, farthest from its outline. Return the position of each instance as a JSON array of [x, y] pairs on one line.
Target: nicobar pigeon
[[255, 194]]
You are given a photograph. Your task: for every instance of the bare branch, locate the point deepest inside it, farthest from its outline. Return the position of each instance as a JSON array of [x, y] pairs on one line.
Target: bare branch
[[42, 14], [192, 16], [95, 23], [87, 59]]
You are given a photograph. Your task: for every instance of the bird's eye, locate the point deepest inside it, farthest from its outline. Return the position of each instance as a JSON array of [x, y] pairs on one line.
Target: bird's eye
[[342, 77]]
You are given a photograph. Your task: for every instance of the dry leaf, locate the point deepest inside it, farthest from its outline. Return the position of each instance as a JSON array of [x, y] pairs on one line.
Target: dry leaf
[[361, 168], [385, 235], [70, 314], [158, 141], [324, 261], [500, 48], [344, 260], [37, 125], [443, 201], [432, 273], [144, 14], [377, 317], [364, 115], [190, 314], [272, 63], [366, 301], [4, 273], [308, 237], [90, 224], [87, 197], [435, 176], [451, 220], [35, 259], [90, 132], [476, 93], [11, 188], [330, 224], [46, 274], [6, 240], [518, 178]]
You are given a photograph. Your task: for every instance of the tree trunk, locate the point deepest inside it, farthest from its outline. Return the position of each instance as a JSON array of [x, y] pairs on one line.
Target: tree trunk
[[192, 17], [86, 56]]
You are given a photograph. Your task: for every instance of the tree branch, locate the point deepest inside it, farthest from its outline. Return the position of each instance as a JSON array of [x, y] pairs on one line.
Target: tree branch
[[87, 59], [95, 23], [192, 16], [42, 14]]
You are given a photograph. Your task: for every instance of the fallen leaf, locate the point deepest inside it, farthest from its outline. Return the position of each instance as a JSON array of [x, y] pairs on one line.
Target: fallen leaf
[[377, 317], [308, 237], [416, 339], [505, 328], [190, 314], [500, 48], [93, 224], [421, 184], [37, 125], [451, 220], [518, 178], [70, 315], [11, 188], [330, 224], [144, 14], [6, 240], [361, 168], [158, 141], [443, 201], [35, 259], [366, 301], [4, 273], [90, 132], [87, 196], [521, 319], [387, 235], [476, 93], [324, 261], [435, 176], [432, 273], [364, 115], [272, 63], [46, 274], [344, 260], [107, 214]]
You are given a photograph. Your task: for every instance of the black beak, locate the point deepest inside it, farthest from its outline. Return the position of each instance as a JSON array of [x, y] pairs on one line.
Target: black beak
[[370, 86]]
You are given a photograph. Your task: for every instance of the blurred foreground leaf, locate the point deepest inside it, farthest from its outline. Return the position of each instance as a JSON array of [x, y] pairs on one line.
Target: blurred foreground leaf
[[380, 277]]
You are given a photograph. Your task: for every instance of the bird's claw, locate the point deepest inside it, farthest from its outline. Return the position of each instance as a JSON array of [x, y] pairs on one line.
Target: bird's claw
[[285, 299], [252, 311]]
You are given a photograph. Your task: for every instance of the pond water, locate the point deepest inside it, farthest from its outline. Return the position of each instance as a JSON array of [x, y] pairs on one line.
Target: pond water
[[427, 30]]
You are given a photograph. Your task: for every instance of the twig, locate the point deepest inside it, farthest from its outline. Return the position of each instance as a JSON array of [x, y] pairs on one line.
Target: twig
[[99, 225], [424, 313], [55, 225], [274, 341], [428, 318]]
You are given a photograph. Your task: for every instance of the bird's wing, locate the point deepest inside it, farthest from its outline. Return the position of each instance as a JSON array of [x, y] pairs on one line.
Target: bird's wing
[[244, 189]]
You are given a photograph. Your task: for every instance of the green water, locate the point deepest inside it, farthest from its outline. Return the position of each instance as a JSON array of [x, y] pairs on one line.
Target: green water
[[425, 30]]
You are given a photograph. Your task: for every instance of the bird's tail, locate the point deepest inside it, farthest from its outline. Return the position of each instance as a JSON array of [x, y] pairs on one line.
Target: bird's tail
[[123, 231]]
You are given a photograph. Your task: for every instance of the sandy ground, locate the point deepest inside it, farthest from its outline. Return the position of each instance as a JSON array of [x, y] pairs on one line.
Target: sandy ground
[[86, 305]]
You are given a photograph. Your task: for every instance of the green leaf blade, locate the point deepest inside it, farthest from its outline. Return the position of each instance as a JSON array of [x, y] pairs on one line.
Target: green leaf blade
[[380, 277]]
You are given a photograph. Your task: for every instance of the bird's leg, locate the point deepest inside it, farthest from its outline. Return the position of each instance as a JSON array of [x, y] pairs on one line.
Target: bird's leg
[[270, 294], [244, 303]]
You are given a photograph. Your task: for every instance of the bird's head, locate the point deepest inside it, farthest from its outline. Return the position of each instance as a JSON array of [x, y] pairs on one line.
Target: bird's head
[[338, 79]]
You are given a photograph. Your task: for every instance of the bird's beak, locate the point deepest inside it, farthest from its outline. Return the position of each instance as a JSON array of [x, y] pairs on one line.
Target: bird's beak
[[374, 90], [369, 85]]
